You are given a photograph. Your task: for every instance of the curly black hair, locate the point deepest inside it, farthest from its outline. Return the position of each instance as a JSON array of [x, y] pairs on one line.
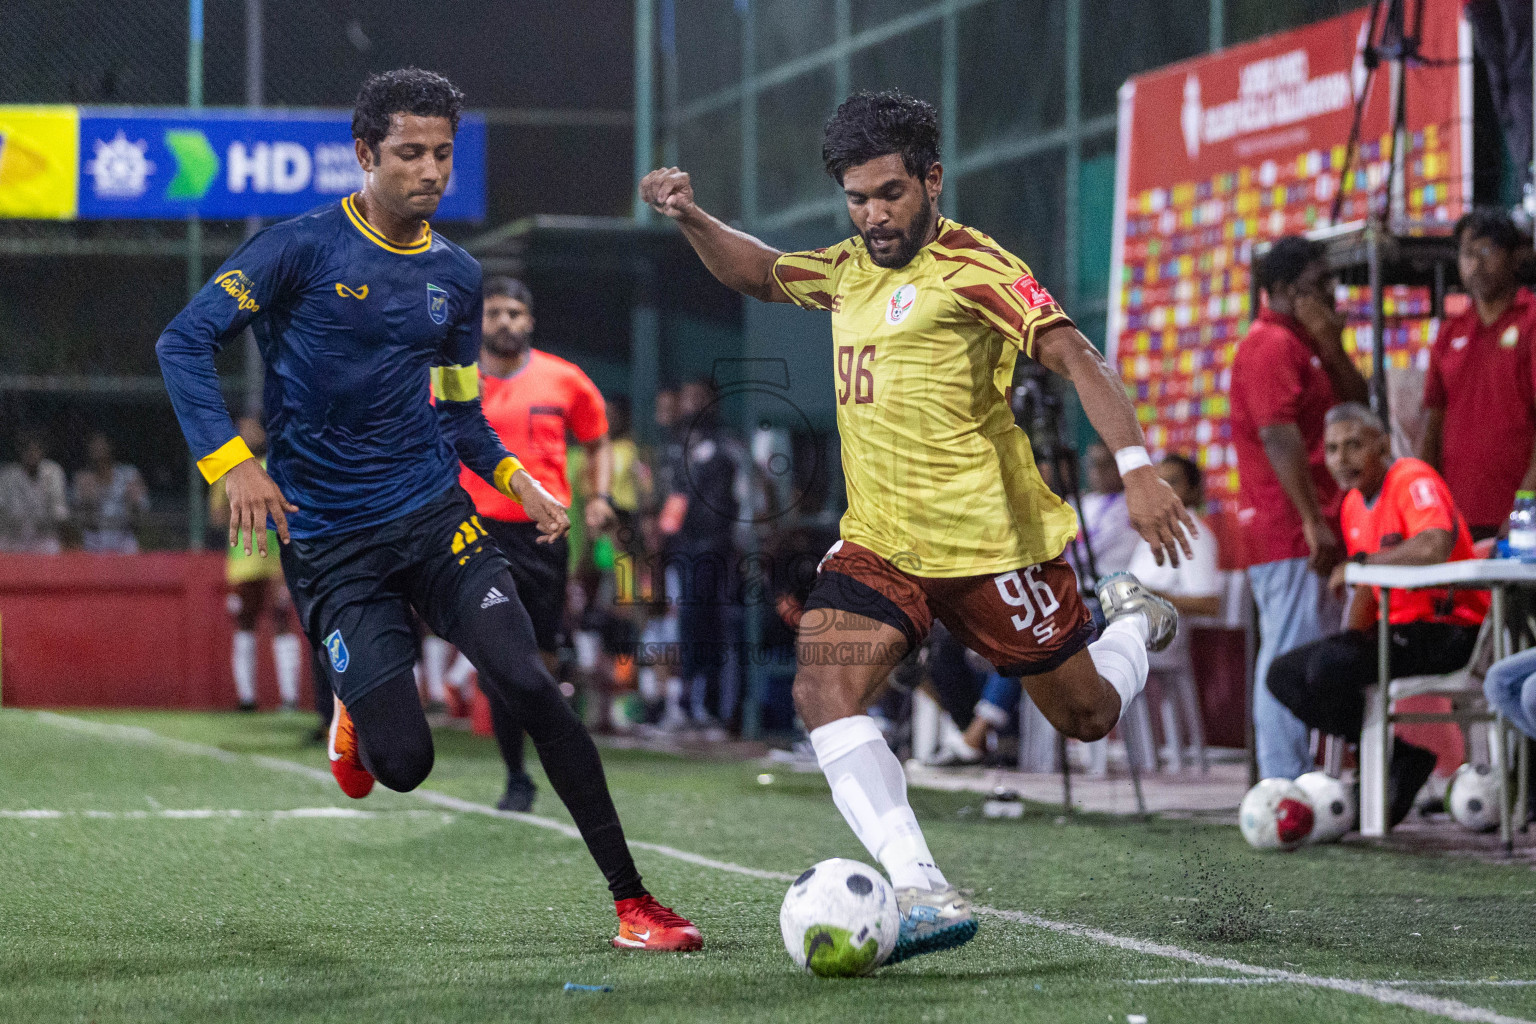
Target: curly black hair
[[1285, 261], [403, 91], [869, 125]]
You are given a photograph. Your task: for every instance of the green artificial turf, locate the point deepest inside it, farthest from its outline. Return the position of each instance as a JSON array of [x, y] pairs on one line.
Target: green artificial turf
[[417, 913]]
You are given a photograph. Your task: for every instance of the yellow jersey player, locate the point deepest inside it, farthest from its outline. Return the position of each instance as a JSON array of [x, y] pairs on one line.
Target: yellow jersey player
[[947, 514], [256, 586]]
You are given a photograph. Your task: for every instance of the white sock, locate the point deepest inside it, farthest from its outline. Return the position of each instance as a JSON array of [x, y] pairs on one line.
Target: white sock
[[434, 660], [869, 788], [286, 654], [458, 676], [1120, 655], [243, 663]]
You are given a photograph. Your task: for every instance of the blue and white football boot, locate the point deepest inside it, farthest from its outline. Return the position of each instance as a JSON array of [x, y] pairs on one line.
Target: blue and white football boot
[[931, 920]]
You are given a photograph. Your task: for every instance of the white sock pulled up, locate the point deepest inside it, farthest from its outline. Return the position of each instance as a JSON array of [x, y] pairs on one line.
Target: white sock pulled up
[[435, 652], [287, 654], [242, 663], [1120, 655], [869, 788]]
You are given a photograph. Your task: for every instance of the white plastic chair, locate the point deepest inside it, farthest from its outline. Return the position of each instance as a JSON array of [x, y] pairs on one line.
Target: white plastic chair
[[1468, 708]]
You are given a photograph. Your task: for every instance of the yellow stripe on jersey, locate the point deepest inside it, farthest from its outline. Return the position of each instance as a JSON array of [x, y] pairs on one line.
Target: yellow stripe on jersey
[[502, 478], [349, 206], [940, 480], [229, 455], [455, 383]]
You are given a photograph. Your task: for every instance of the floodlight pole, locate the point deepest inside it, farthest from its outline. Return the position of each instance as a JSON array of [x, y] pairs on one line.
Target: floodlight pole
[[197, 511], [645, 100], [254, 57]]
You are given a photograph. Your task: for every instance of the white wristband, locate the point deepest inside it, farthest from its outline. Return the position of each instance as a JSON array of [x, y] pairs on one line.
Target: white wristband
[[1131, 458]]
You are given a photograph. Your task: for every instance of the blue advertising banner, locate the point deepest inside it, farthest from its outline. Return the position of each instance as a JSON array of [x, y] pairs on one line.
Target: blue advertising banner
[[231, 164]]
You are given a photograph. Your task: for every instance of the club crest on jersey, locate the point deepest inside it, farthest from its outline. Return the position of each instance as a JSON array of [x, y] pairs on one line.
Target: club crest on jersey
[[1031, 291], [437, 304], [901, 303], [336, 647], [1510, 338]]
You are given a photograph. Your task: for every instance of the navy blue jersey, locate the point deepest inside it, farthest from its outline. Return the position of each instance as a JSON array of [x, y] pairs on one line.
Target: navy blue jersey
[[355, 332]]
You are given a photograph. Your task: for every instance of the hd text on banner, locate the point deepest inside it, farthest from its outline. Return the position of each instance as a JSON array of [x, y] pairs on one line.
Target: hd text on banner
[[233, 164]]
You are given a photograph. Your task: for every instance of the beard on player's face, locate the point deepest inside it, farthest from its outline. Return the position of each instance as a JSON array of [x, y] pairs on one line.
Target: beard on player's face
[[505, 342], [908, 238]]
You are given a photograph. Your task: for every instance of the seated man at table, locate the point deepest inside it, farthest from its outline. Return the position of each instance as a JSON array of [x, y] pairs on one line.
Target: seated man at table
[[1396, 512]]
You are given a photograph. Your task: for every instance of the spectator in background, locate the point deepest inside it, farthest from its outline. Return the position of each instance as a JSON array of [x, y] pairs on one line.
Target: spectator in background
[[632, 483], [32, 500], [1501, 31], [700, 519], [1479, 388], [1290, 369], [1397, 512], [255, 588], [1106, 517], [108, 500]]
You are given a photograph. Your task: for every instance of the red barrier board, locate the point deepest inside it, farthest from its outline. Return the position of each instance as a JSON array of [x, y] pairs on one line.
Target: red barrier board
[[151, 630], [1247, 144]]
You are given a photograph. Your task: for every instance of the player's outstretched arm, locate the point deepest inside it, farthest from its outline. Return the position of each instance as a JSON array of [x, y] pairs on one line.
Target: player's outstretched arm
[[736, 258], [1156, 512]]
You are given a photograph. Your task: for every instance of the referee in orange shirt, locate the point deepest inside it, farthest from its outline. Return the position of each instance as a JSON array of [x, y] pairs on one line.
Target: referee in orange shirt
[[531, 399]]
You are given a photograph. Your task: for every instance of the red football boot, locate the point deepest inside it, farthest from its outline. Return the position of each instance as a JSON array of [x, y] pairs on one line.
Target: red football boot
[[346, 762], [646, 924]]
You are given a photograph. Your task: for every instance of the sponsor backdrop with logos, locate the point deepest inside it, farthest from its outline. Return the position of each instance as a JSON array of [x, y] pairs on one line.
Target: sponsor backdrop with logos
[[1248, 144], [102, 163]]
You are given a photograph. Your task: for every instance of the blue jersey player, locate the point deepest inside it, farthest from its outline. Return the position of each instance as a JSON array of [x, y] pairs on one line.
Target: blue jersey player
[[361, 312]]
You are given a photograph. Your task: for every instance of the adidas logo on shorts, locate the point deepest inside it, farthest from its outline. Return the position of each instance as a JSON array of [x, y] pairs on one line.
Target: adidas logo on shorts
[[493, 597]]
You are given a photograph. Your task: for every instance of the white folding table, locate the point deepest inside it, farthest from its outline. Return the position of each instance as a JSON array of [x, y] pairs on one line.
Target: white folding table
[[1494, 575]]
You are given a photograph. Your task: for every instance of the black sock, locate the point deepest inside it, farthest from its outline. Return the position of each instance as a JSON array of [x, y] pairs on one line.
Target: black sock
[[499, 642]]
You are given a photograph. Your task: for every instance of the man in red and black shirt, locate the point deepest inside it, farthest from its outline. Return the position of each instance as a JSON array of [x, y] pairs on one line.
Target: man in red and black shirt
[[1289, 370], [1479, 391], [531, 399], [1397, 512]]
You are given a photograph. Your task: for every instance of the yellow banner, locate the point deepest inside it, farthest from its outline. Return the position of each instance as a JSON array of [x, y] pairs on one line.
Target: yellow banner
[[39, 161]]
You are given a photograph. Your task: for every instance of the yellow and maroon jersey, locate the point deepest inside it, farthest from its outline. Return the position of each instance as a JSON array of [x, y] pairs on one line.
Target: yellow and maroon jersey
[[940, 479]]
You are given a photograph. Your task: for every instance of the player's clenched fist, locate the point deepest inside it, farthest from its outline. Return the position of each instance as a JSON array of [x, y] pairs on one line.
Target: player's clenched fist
[[669, 192]]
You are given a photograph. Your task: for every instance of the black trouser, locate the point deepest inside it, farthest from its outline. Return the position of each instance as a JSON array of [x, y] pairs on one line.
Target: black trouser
[[1323, 682], [1501, 30]]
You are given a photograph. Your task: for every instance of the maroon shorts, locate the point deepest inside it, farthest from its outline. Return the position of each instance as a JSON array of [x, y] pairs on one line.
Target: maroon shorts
[[1025, 621]]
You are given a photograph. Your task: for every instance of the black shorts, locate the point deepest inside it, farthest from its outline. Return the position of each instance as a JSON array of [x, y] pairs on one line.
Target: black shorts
[[539, 571], [354, 593]]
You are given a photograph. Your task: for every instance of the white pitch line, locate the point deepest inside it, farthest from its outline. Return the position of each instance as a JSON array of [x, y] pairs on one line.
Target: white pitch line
[[1380, 992], [1429, 983]]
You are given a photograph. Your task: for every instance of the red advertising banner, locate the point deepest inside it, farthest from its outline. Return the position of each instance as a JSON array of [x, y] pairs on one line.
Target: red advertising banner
[[1222, 151]]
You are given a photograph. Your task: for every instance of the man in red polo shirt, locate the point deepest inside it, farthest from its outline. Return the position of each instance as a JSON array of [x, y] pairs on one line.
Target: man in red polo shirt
[[531, 399], [1479, 390], [1397, 512], [1289, 370]]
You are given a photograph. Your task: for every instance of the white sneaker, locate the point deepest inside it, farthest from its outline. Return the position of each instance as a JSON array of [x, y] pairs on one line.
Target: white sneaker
[[931, 920]]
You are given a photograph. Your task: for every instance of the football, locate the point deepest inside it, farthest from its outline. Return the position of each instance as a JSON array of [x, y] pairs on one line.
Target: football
[[1333, 806], [1473, 798], [1275, 815], [839, 919]]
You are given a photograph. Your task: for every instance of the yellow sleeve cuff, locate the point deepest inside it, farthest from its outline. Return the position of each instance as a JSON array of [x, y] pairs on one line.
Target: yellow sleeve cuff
[[456, 383], [215, 464], [503, 477]]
